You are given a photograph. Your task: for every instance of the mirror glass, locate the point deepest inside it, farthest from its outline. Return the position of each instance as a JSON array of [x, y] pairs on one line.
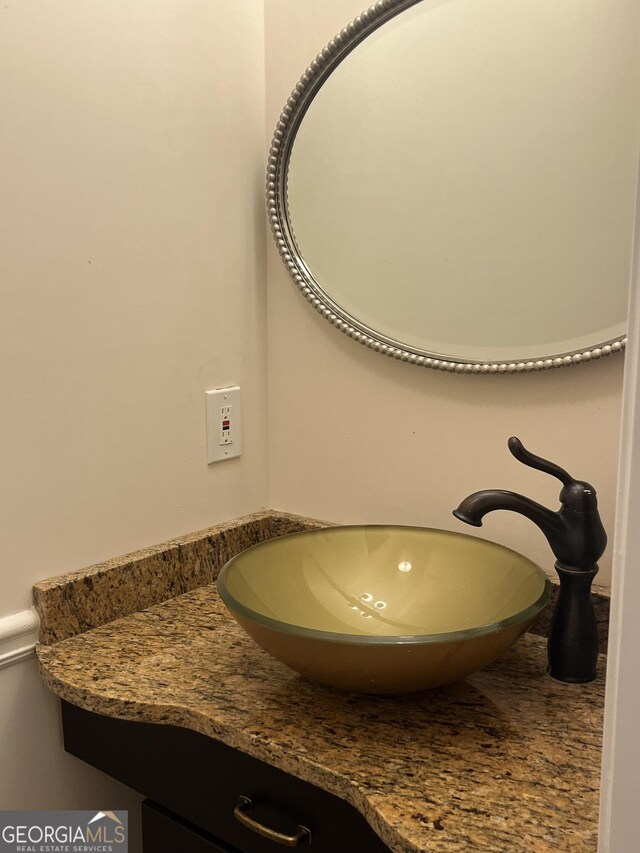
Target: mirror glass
[[461, 183]]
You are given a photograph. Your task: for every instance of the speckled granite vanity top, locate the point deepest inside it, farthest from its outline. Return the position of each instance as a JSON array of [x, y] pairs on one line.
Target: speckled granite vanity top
[[506, 760]]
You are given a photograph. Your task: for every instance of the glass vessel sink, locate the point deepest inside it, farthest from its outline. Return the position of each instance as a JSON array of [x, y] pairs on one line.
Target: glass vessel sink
[[383, 609]]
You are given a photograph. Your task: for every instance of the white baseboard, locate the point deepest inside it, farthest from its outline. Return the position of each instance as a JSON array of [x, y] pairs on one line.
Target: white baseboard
[[18, 637]]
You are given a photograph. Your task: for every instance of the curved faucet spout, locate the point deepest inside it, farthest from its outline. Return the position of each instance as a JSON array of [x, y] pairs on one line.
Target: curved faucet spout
[[474, 507]]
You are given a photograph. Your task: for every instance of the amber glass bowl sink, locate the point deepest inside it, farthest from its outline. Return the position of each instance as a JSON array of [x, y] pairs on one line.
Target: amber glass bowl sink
[[383, 609]]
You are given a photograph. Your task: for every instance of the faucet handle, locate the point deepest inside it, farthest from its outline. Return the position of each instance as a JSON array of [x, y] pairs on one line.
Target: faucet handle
[[575, 494], [523, 455]]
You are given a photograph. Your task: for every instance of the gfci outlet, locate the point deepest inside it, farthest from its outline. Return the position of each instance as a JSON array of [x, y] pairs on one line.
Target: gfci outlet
[[224, 439]]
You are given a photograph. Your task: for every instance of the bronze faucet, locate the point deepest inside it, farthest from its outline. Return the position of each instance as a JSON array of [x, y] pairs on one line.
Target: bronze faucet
[[578, 539]]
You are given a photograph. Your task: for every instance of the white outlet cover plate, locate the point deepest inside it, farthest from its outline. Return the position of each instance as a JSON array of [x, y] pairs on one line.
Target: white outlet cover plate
[[220, 448]]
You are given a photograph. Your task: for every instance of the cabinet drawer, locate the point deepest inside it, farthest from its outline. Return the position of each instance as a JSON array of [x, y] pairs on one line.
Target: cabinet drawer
[[163, 832], [202, 781]]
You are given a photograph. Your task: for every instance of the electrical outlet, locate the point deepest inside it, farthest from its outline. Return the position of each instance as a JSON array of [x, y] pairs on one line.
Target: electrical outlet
[[223, 423]]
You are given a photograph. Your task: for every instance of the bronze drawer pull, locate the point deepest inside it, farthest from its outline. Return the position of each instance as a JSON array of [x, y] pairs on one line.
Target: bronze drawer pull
[[302, 836]]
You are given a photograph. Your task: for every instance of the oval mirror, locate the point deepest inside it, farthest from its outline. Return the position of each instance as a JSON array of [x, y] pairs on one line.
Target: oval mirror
[[453, 182]]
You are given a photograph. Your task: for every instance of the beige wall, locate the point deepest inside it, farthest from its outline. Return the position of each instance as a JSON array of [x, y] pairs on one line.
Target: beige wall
[[356, 436], [132, 271]]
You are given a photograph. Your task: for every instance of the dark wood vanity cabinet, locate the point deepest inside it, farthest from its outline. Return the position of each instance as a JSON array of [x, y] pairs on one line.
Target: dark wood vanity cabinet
[[165, 832], [194, 784]]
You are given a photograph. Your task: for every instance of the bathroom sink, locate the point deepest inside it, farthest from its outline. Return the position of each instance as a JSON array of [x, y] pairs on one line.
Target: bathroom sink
[[383, 609]]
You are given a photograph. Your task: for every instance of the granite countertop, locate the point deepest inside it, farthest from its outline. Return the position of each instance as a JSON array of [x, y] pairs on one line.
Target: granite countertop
[[506, 760]]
